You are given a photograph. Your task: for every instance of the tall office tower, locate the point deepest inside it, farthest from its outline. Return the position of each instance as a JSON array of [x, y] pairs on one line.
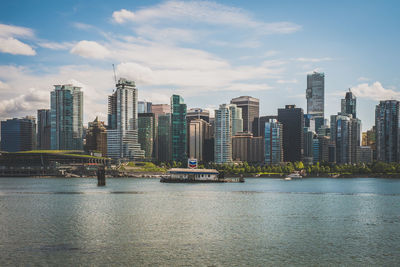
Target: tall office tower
[[144, 107], [43, 129], [250, 110], [146, 133], [160, 109], [122, 135], [247, 148], [66, 112], [164, 138], [198, 113], [387, 131], [18, 134], [292, 119], [259, 124], [223, 135], [96, 137], [236, 119], [316, 150], [369, 139], [315, 94], [199, 132], [273, 137], [324, 142], [178, 129], [308, 146], [349, 104]]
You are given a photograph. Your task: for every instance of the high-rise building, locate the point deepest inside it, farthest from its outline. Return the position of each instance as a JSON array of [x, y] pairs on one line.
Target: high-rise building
[[250, 110], [387, 131], [223, 135], [364, 154], [348, 105], [259, 124], [144, 107], [18, 134], [96, 137], [199, 132], [198, 113], [178, 129], [369, 139], [236, 119], [292, 119], [164, 138], [273, 142], [160, 109], [308, 146], [316, 150], [122, 135], [43, 129], [66, 114], [146, 133], [247, 148], [315, 94]]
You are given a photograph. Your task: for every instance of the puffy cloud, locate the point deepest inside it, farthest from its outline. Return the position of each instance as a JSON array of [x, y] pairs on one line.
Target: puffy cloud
[[57, 46], [308, 59], [90, 49], [375, 92], [204, 12], [10, 45]]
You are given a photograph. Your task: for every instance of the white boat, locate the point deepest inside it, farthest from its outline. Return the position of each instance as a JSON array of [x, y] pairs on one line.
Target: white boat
[[294, 175]]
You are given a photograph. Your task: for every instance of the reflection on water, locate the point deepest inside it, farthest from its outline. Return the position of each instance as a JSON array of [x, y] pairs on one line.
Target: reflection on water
[[144, 222]]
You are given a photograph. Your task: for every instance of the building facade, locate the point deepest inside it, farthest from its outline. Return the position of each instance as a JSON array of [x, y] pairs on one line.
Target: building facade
[[349, 104], [292, 120], [247, 148], [43, 129], [146, 133], [144, 107], [387, 131], [236, 119], [18, 134], [273, 136], [164, 138], [199, 132], [178, 129], [96, 137], [259, 124], [250, 110], [122, 135], [197, 113], [223, 135], [315, 94]]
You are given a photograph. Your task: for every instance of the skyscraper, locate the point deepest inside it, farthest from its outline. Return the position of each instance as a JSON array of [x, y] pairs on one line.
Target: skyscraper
[[144, 107], [164, 138], [146, 133], [236, 119], [43, 129], [96, 137], [199, 131], [66, 114], [223, 135], [348, 105], [259, 124], [122, 136], [18, 134], [315, 94], [247, 148], [387, 131], [197, 113], [250, 110], [178, 129], [273, 137], [292, 120]]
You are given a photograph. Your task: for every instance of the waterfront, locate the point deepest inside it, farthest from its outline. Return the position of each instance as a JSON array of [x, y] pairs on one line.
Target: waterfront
[[312, 221]]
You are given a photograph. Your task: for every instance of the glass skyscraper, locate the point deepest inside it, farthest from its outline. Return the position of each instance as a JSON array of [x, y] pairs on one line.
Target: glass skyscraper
[[122, 135], [273, 142], [236, 119], [43, 129], [18, 134], [66, 112], [178, 129], [223, 135], [250, 110], [315, 94], [348, 105], [146, 133], [164, 138]]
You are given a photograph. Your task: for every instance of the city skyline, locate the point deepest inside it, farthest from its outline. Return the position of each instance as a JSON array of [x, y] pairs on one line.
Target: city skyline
[[224, 51]]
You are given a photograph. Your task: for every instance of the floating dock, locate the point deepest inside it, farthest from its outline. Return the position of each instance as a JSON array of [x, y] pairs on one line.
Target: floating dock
[[186, 175]]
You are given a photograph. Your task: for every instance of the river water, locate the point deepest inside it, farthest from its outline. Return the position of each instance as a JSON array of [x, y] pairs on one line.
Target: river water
[[144, 222]]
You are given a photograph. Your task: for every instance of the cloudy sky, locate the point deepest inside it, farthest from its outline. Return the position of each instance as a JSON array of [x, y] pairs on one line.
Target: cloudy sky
[[209, 52]]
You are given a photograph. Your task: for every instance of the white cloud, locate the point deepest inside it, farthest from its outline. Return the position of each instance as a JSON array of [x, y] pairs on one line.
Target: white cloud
[[375, 92], [90, 49], [306, 59], [168, 35], [287, 81], [363, 79], [204, 12], [10, 45], [13, 46], [57, 46]]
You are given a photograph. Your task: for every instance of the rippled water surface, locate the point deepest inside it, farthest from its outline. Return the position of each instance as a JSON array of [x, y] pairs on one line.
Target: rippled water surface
[[144, 222]]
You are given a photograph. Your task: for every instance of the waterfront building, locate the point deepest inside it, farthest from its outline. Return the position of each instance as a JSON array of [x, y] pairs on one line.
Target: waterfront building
[[66, 112], [250, 110], [315, 94], [197, 113], [273, 137], [43, 129], [96, 137], [199, 132], [236, 119], [259, 124], [308, 146], [178, 129], [369, 139], [247, 148], [122, 135], [223, 135], [324, 143], [144, 107], [364, 154], [292, 119], [387, 131], [18, 134], [348, 104], [146, 133], [164, 138], [316, 150]]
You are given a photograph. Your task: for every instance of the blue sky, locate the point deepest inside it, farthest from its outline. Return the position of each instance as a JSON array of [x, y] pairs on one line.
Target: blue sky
[[209, 52]]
